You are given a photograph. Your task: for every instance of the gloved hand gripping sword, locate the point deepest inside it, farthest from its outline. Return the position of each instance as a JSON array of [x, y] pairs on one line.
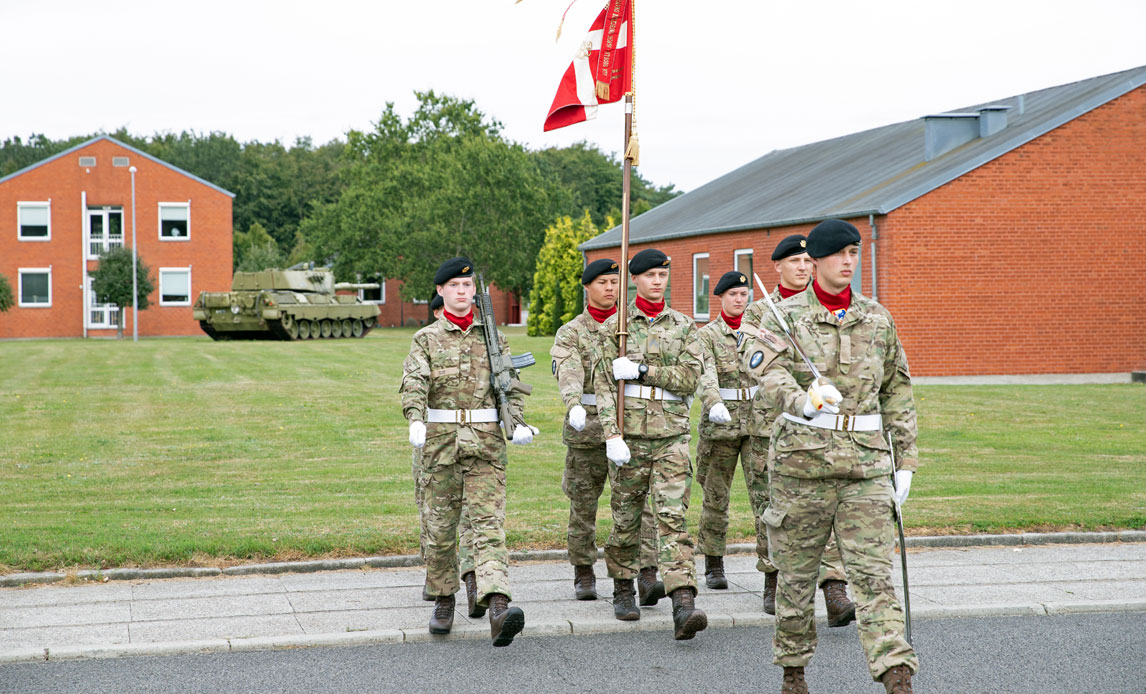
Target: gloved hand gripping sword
[[898, 511], [502, 368]]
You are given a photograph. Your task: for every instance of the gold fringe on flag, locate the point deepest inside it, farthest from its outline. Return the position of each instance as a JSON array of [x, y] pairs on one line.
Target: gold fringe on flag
[[562, 22]]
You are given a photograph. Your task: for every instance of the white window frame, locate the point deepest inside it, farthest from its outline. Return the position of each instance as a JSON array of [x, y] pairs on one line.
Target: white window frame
[[159, 219], [31, 203], [382, 293], [106, 241], [109, 312], [736, 266], [696, 289], [185, 269], [20, 285]]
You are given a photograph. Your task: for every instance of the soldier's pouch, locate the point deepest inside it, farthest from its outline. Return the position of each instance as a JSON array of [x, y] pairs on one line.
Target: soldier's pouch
[[874, 452], [790, 436], [774, 517]]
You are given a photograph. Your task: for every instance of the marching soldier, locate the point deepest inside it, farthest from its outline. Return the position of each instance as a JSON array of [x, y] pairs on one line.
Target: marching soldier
[[661, 370], [832, 467], [725, 392], [574, 353], [447, 398], [791, 261]]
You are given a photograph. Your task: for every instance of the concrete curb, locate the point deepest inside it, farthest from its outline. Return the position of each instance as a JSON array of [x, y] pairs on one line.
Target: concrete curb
[[562, 627], [408, 560]]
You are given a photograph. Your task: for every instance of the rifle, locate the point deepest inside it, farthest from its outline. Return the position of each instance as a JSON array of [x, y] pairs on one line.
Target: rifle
[[502, 368], [898, 512]]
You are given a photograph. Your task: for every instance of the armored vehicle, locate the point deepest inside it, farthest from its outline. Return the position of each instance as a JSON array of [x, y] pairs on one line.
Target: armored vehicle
[[285, 305]]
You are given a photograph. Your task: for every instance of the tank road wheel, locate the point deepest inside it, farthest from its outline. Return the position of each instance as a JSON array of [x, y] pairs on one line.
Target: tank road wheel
[[291, 328], [346, 327], [336, 329], [303, 329], [368, 324], [325, 328], [356, 327]]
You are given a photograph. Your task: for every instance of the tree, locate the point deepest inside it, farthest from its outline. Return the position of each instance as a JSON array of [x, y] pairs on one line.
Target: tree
[[6, 301], [255, 250], [557, 296], [111, 283]]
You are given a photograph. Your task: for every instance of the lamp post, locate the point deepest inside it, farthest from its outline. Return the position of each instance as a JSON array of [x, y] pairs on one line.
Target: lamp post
[[134, 273]]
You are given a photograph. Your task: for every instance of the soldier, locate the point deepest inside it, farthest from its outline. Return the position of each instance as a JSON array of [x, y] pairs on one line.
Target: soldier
[[661, 367], [575, 351], [831, 467], [446, 397], [725, 393], [790, 258]]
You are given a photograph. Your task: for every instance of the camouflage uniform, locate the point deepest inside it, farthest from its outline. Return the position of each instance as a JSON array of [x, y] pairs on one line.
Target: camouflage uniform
[[760, 430], [575, 351], [657, 434], [465, 555], [463, 465], [823, 479], [721, 444]]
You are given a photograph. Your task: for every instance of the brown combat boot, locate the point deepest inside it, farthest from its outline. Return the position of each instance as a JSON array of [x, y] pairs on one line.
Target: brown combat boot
[[686, 619], [442, 619], [841, 611], [649, 589], [505, 622], [770, 592], [714, 573], [897, 680], [584, 583], [624, 603], [476, 611], [794, 681]]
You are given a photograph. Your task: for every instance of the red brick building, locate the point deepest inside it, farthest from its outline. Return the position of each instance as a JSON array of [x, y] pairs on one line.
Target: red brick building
[[59, 215], [1005, 238], [396, 312]]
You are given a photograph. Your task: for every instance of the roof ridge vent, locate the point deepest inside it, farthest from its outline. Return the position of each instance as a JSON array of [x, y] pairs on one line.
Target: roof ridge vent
[[992, 119], [946, 131]]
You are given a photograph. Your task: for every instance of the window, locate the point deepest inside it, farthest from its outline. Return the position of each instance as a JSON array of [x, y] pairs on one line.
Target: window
[[104, 229], [700, 286], [174, 286], [174, 221], [743, 261], [857, 276], [374, 296], [34, 220], [100, 315], [35, 287]]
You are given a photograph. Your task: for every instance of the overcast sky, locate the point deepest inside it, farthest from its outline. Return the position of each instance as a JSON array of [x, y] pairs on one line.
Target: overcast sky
[[717, 87]]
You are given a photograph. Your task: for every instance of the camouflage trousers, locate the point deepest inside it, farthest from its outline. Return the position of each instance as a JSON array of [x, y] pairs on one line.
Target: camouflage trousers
[[715, 467], [660, 469], [465, 555], [586, 470], [800, 519], [449, 485], [831, 566]]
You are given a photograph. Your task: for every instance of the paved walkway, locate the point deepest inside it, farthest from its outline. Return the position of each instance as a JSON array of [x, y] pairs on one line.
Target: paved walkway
[[383, 605]]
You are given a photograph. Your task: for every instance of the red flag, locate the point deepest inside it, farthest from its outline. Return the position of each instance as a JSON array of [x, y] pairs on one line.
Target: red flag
[[601, 72]]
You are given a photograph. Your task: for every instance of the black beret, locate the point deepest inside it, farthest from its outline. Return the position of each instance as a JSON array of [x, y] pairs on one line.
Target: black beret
[[830, 236], [454, 267], [603, 266], [730, 280], [647, 260], [792, 245], [436, 303]]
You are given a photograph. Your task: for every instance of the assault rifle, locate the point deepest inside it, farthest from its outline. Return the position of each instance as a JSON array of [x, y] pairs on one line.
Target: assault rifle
[[502, 368]]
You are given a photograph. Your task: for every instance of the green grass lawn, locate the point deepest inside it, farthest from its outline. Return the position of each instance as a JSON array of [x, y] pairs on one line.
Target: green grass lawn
[[183, 451]]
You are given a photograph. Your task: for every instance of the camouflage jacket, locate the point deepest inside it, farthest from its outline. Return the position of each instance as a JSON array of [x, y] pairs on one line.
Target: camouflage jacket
[[722, 369], [666, 345], [863, 357], [576, 351], [762, 418], [449, 369]]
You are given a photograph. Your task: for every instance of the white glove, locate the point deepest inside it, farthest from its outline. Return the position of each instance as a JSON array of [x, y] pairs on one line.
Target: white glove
[[823, 392], [617, 450], [902, 486], [625, 369], [522, 434], [577, 418], [417, 434], [719, 414]]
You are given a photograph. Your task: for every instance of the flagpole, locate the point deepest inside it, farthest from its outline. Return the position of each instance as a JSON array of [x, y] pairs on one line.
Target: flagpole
[[623, 301]]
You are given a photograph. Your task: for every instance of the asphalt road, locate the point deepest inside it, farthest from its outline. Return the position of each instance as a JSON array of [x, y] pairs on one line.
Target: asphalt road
[[1093, 653]]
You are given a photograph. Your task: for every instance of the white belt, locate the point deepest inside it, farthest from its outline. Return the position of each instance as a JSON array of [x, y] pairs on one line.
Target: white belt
[[589, 399], [738, 393], [461, 416], [649, 393], [840, 422]]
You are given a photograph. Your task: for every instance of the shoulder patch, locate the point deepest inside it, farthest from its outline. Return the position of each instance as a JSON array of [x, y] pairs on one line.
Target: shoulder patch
[[772, 340], [757, 357]]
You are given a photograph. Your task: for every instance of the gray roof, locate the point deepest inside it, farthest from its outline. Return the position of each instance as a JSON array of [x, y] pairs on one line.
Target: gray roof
[[126, 146], [870, 172]]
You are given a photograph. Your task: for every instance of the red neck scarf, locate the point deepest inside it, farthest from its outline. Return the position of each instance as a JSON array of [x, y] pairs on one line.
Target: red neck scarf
[[464, 322], [600, 314], [833, 302], [733, 323], [649, 308], [785, 292]]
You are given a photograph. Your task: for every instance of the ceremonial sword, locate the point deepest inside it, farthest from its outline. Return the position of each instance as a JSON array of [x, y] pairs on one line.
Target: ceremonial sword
[[898, 512], [817, 400]]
